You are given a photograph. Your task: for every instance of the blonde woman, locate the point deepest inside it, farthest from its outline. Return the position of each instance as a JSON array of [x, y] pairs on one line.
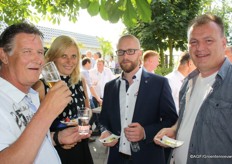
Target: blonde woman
[[64, 52]]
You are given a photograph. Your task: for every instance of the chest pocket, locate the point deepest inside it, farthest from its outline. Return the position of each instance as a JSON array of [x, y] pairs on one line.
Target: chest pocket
[[218, 114]]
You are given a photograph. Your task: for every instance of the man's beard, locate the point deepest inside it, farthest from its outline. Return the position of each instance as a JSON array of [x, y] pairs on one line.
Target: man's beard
[[129, 67]]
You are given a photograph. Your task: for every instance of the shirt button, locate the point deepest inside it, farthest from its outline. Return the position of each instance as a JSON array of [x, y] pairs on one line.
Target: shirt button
[[126, 119]]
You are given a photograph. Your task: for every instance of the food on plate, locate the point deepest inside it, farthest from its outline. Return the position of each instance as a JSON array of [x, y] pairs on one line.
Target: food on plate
[[69, 121], [109, 139], [171, 142]]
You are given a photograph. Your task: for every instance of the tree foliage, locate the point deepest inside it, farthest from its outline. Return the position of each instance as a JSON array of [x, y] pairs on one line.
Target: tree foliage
[[167, 30], [222, 8], [53, 10], [106, 47], [159, 24]]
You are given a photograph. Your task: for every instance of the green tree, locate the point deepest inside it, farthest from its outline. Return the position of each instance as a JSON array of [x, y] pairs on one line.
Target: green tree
[[167, 30], [53, 10], [222, 8], [106, 47]]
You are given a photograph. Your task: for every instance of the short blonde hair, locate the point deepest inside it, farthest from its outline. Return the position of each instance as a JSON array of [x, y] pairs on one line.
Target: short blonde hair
[[147, 54], [101, 60]]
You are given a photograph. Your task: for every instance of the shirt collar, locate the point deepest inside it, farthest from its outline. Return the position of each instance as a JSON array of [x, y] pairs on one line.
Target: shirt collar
[[13, 92], [181, 76], [137, 75]]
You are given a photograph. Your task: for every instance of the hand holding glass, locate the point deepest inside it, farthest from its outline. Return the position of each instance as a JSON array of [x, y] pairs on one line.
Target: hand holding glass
[[84, 115], [50, 73], [134, 145]]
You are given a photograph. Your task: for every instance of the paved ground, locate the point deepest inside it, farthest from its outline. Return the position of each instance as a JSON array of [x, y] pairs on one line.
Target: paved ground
[[98, 151]]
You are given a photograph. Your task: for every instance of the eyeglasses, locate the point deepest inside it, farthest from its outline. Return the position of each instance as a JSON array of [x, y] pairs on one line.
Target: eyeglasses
[[128, 52]]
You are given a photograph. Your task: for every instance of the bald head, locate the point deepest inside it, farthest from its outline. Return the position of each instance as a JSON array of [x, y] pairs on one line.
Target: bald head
[[131, 38]]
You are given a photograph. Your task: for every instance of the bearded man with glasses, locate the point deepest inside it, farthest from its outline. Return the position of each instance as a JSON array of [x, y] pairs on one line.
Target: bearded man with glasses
[[136, 106]]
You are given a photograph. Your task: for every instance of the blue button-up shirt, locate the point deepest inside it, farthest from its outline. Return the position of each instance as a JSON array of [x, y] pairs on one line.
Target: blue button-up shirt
[[211, 139]]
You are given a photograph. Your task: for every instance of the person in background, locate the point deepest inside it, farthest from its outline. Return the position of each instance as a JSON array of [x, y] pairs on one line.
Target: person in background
[[112, 64], [65, 53], [176, 77], [96, 56], [99, 77], [86, 74], [136, 105], [90, 56], [150, 60], [205, 101], [228, 52], [25, 136], [86, 64]]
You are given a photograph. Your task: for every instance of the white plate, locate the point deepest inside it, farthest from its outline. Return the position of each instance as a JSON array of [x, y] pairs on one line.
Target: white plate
[[109, 139], [96, 110], [72, 122], [171, 142]]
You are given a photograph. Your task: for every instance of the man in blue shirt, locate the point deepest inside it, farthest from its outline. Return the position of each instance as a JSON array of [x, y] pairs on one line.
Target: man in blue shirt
[[205, 101]]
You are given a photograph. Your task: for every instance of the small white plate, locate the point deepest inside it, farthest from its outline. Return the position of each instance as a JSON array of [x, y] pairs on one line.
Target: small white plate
[[109, 139], [170, 142], [96, 110], [72, 122]]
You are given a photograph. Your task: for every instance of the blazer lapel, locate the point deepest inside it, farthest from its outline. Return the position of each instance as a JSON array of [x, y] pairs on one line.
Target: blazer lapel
[[117, 104], [141, 93]]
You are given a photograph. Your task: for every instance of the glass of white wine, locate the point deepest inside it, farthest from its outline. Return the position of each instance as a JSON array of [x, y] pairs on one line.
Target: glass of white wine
[[50, 73]]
